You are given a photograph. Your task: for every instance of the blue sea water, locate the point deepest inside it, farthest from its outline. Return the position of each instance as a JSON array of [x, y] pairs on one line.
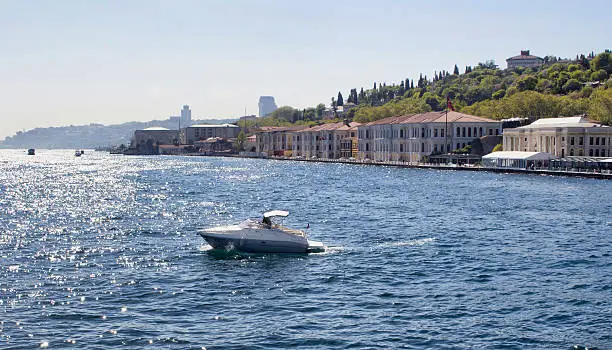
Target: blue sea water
[[102, 251]]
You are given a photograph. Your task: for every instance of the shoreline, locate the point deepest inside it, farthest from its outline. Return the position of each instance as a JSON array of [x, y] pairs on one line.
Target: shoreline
[[583, 174]]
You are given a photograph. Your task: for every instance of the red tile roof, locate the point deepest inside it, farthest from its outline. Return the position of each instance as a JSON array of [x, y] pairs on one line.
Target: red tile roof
[[432, 117], [340, 126]]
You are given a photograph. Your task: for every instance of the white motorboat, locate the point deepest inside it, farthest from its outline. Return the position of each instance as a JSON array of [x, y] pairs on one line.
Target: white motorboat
[[266, 236]]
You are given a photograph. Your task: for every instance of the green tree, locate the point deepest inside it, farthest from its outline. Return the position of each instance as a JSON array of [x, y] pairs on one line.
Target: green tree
[[571, 85], [526, 83], [599, 75], [600, 106], [340, 101], [602, 61], [240, 141], [320, 108], [456, 70], [498, 148]]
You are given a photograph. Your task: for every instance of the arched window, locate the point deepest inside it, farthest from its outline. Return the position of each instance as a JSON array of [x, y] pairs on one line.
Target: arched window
[[480, 133], [469, 132], [458, 132], [367, 147]]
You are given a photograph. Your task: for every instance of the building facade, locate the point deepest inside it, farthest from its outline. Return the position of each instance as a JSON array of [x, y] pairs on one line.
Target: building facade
[[266, 105], [561, 137], [332, 141], [185, 116], [524, 60], [276, 141], [410, 138], [199, 132]]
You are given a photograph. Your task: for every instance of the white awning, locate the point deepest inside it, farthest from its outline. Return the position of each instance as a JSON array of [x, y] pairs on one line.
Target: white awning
[[519, 155], [275, 213]]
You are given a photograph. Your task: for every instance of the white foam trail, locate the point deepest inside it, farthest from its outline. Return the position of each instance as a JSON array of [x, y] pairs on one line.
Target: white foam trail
[[412, 242]]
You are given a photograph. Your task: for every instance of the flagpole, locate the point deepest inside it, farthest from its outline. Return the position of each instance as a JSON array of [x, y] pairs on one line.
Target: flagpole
[[446, 127]]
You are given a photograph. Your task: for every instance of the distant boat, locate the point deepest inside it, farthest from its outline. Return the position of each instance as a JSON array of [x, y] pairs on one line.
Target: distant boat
[[82, 152], [253, 236], [77, 153], [31, 151]]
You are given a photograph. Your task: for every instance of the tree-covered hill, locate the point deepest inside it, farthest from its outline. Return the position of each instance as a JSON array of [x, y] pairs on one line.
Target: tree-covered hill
[[561, 87], [558, 88]]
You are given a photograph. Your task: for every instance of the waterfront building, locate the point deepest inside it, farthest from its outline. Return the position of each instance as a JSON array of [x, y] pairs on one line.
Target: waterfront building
[[266, 105], [276, 141], [199, 132], [410, 138], [185, 116], [524, 60], [332, 140], [517, 160], [561, 137], [147, 140]]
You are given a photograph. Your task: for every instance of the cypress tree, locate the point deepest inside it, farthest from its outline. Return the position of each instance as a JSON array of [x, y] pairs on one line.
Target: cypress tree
[[340, 101]]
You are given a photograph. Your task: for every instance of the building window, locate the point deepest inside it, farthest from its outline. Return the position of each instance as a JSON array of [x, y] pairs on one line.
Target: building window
[[458, 146], [571, 151], [580, 141], [496, 131], [463, 131], [441, 132], [591, 141], [597, 141], [603, 141], [490, 132], [603, 152], [469, 132], [458, 132], [572, 140], [590, 152], [597, 153], [435, 132], [480, 133]]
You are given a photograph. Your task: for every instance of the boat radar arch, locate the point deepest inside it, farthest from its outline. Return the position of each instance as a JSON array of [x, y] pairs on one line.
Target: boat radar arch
[[273, 213]]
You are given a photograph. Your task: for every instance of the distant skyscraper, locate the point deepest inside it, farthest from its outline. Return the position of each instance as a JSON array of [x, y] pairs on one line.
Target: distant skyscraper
[[185, 116], [266, 105]]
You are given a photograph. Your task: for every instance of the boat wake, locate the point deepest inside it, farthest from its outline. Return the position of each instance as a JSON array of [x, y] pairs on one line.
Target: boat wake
[[412, 242]]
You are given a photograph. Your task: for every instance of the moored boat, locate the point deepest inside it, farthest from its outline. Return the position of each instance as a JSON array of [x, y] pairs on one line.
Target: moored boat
[[31, 151], [266, 236]]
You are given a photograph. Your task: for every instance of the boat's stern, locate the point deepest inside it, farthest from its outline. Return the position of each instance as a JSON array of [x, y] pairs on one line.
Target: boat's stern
[[315, 247]]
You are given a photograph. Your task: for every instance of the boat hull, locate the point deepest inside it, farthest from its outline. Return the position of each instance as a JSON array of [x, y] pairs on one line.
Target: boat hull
[[254, 245]]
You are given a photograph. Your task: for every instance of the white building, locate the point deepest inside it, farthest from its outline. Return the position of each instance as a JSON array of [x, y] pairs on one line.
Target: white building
[[332, 140], [411, 137], [266, 105], [561, 137], [185, 116]]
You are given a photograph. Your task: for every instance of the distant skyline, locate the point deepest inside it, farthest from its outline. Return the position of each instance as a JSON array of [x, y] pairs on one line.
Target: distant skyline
[[81, 62]]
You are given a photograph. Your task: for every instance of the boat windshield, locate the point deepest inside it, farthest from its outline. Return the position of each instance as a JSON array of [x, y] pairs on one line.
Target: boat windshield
[[249, 223]]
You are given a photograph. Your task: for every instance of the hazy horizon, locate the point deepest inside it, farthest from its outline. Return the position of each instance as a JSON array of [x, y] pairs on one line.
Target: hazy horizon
[[78, 63]]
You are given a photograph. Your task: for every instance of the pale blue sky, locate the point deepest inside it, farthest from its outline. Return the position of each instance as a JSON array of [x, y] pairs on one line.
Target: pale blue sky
[[68, 62]]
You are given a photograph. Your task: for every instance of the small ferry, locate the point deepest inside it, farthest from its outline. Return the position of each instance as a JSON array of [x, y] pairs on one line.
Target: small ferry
[[31, 151]]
